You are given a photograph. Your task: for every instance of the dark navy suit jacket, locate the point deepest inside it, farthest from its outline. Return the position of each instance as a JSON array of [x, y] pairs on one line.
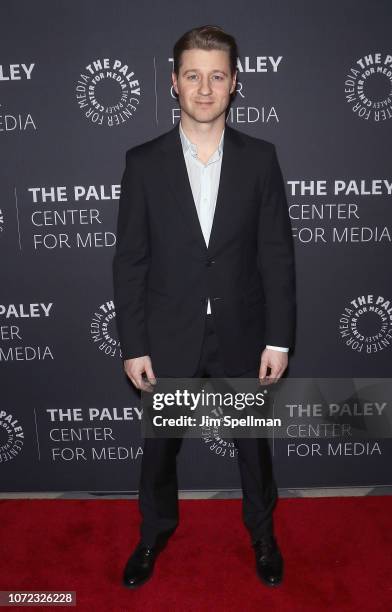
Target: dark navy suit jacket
[[163, 271]]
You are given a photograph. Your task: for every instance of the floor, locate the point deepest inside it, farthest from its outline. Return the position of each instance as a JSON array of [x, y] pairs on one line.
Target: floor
[[209, 494]]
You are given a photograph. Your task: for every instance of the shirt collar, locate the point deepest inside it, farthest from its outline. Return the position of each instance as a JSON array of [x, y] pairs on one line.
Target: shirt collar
[[187, 144]]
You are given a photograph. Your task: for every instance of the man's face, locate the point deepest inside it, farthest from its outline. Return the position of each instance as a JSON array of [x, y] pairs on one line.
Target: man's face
[[204, 84]]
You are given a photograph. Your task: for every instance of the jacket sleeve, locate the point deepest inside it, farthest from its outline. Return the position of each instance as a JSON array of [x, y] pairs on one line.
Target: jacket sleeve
[[275, 258], [131, 262]]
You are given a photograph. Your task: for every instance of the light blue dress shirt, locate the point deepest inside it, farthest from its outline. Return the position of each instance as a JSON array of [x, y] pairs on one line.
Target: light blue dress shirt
[[204, 181]]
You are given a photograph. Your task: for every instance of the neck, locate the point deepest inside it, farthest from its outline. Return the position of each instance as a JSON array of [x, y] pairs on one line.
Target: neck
[[205, 135]]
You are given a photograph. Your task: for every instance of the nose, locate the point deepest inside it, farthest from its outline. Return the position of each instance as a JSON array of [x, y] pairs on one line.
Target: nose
[[204, 86]]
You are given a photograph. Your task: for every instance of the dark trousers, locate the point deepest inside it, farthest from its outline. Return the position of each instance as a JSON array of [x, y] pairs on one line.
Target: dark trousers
[[158, 488]]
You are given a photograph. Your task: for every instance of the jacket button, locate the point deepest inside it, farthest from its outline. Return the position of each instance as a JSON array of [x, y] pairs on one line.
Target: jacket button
[[209, 262]]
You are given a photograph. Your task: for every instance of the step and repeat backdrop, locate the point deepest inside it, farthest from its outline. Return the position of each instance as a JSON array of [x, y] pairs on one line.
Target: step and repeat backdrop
[[80, 83]]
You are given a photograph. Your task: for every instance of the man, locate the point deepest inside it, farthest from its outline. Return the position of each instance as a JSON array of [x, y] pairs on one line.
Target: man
[[204, 281]]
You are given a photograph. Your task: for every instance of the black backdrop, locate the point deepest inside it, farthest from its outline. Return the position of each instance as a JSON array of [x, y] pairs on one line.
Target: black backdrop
[[82, 82]]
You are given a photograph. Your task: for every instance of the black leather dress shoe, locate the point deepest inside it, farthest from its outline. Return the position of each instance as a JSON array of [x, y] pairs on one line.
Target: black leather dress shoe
[[140, 565], [269, 560]]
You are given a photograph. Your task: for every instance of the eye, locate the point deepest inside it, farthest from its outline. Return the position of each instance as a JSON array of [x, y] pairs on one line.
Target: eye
[[219, 77], [190, 76]]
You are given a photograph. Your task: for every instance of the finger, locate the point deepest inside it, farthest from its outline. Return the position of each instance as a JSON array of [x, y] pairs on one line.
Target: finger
[[276, 373], [150, 374], [133, 381], [265, 378], [263, 369], [148, 380], [134, 377], [129, 375], [142, 384], [280, 370]]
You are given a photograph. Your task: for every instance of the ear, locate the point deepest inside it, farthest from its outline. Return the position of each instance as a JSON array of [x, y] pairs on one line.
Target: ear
[[174, 81], [234, 82]]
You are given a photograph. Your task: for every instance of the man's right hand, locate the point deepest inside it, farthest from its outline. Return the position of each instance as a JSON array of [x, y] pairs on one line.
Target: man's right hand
[[136, 367]]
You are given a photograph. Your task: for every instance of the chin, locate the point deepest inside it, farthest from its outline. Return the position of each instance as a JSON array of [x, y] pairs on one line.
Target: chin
[[205, 116]]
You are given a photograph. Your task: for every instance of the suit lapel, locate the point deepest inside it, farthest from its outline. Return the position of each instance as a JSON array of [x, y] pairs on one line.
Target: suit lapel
[[178, 180]]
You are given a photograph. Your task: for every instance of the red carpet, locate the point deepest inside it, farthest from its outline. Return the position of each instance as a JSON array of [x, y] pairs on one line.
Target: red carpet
[[337, 551]]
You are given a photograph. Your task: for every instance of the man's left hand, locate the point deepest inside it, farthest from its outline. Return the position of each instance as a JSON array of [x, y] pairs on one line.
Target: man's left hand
[[275, 360]]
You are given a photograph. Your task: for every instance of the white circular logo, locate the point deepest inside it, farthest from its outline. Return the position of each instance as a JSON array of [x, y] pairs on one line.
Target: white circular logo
[[365, 324], [108, 92], [11, 437], [368, 87], [103, 330], [216, 444]]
